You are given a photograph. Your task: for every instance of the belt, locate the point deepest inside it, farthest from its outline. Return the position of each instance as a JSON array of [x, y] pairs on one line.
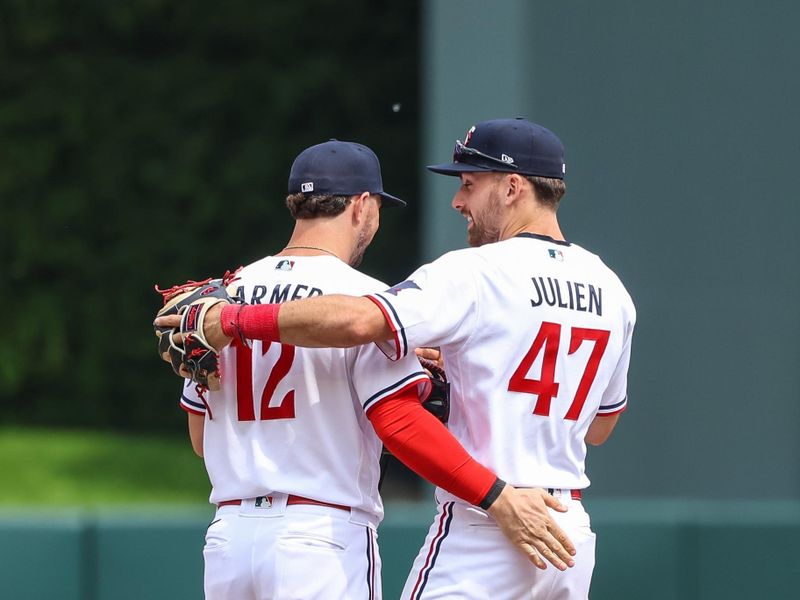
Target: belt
[[575, 494], [290, 500]]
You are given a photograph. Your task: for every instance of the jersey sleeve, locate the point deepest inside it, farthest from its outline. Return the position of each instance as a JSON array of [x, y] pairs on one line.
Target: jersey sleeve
[[374, 378], [615, 396], [190, 401], [435, 304]]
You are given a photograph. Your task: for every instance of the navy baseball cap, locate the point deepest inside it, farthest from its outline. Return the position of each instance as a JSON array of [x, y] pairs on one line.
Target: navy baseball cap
[[507, 146], [341, 169]]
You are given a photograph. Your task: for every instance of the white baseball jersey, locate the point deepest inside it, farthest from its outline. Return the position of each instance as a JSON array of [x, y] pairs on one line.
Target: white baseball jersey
[[536, 338], [293, 420]]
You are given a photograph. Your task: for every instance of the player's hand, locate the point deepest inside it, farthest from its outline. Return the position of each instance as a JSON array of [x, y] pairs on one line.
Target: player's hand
[[524, 518], [212, 327], [433, 354]]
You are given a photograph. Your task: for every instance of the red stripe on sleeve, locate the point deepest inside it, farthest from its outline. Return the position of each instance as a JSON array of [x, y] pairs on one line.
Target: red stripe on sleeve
[[379, 304], [612, 413], [188, 409]]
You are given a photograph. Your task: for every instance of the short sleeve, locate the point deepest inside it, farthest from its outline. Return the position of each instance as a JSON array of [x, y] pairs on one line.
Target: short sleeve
[[435, 305], [615, 397], [190, 401], [375, 378]]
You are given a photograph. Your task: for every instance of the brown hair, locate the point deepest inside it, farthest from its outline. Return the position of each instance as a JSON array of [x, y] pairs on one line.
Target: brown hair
[[549, 191], [310, 206]]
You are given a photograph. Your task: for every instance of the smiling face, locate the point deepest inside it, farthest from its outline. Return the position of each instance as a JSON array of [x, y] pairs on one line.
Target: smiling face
[[479, 201]]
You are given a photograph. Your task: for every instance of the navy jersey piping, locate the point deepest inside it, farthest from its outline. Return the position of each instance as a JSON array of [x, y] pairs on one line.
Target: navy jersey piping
[[544, 238]]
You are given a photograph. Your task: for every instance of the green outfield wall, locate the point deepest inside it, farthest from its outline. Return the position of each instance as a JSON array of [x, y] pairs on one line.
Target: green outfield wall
[[659, 550]]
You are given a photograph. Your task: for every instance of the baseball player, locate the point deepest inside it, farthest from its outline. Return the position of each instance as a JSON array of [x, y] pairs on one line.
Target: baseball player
[[288, 440], [535, 333]]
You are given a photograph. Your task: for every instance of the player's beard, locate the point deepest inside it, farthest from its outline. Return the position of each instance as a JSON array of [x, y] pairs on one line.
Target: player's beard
[[363, 240], [486, 223]]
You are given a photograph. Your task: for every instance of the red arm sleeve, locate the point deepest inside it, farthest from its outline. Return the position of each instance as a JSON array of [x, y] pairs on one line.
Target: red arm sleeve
[[424, 445]]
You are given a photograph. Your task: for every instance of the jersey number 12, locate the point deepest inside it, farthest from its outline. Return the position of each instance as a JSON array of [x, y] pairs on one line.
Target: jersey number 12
[[546, 388], [245, 398]]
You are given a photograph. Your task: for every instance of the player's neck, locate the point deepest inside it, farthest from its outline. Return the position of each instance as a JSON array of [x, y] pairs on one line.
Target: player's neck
[[542, 223], [317, 239]]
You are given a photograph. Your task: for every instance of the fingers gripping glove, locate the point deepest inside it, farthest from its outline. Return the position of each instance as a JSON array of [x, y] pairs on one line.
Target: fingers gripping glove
[[438, 401], [193, 358]]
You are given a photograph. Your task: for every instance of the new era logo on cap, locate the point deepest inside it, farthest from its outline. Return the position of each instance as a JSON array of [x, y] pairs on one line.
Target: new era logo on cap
[[306, 187]]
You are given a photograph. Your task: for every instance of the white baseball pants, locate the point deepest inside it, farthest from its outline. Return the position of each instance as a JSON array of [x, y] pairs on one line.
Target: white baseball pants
[[465, 556], [263, 550]]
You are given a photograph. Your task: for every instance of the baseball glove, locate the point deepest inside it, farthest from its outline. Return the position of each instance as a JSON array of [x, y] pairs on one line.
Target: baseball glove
[[438, 401], [193, 358]]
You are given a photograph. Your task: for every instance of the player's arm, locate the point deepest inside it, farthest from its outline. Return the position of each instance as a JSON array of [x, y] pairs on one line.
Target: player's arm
[[615, 398], [334, 321], [424, 444], [195, 410], [338, 321], [197, 425], [601, 428]]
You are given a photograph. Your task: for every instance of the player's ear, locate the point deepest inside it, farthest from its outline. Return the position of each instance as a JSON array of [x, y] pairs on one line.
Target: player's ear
[[512, 187], [359, 207]]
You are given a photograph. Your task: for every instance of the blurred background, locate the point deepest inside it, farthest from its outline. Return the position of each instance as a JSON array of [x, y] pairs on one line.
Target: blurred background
[[682, 135]]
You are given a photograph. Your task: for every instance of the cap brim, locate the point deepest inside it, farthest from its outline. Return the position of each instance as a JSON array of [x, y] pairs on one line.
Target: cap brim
[[389, 200], [456, 169]]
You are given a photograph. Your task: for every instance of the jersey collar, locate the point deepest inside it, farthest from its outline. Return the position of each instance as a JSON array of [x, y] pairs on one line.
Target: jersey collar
[[544, 238]]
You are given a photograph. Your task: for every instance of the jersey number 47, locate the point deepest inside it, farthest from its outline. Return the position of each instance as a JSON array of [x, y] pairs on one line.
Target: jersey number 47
[[547, 341]]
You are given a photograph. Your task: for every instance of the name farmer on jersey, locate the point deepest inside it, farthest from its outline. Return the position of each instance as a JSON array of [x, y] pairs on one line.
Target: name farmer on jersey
[[280, 293]]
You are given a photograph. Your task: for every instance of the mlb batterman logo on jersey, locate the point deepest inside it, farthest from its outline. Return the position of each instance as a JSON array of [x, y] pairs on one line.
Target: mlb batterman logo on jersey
[[405, 285]]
